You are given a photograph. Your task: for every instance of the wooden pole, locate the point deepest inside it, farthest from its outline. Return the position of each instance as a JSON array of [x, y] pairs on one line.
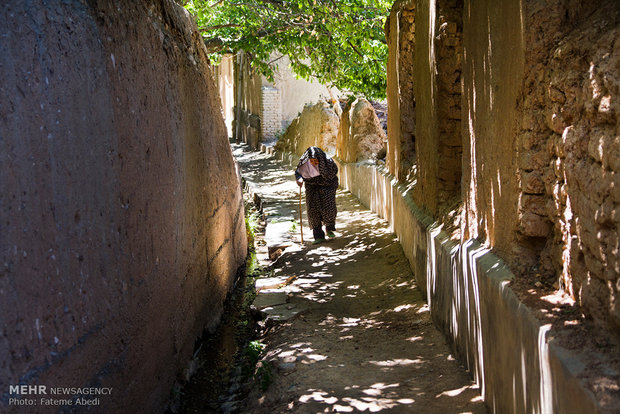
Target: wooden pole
[[301, 221]]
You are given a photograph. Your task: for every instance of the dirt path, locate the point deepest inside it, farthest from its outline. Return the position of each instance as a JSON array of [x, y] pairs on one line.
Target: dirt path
[[362, 338]]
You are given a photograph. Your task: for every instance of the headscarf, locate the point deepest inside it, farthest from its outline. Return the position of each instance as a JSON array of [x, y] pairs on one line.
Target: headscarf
[[327, 168]]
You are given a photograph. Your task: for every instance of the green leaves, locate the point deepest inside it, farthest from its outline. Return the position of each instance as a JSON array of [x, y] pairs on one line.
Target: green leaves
[[341, 43]]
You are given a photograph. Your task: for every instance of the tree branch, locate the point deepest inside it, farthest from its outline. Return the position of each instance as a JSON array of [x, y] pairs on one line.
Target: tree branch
[[219, 26]]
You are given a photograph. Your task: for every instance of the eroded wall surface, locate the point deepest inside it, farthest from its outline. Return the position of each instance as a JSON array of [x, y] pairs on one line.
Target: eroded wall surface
[[360, 135], [247, 97], [400, 35], [541, 139], [317, 125], [492, 77], [120, 207], [532, 140], [570, 152], [424, 96], [538, 180]]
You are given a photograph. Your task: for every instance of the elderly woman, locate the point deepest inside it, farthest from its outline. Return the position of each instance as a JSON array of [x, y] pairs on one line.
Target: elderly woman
[[320, 174]]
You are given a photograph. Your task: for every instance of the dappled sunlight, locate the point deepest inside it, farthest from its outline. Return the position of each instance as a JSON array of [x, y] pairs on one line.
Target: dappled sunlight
[[373, 402], [455, 392], [402, 308], [396, 362], [364, 340], [319, 396], [423, 309]]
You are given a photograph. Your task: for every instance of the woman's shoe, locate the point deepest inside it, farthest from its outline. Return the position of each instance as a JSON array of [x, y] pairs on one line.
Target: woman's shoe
[[318, 241], [331, 234]]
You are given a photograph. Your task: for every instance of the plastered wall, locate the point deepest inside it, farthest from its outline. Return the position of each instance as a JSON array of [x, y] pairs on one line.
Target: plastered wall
[[116, 249]]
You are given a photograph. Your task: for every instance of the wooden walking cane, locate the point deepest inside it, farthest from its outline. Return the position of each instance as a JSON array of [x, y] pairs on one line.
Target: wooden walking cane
[[301, 219]]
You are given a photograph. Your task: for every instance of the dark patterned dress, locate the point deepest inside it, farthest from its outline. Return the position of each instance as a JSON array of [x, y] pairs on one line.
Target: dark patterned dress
[[320, 192]]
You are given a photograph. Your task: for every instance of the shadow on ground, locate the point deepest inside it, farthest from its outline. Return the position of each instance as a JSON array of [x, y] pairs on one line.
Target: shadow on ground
[[363, 339]]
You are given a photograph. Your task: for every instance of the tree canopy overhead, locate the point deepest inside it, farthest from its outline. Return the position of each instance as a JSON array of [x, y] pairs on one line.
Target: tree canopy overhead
[[339, 42]]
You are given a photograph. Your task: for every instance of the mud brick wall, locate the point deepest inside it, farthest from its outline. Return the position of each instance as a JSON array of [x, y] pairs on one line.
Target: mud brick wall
[[121, 217], [494, 49], [424, 97], [400, 35], [539, 138], [569, 153], [248, 95], [541, 141]]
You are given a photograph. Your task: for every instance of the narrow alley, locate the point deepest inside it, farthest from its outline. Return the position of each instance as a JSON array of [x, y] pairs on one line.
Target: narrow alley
[[151, 252], [356, 333]]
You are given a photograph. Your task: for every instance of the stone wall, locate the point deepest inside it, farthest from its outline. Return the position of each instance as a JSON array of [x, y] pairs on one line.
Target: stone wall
[[116, 249]]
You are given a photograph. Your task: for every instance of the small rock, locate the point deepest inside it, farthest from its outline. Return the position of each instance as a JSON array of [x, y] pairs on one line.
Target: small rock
[[286, 367], [538, 284]]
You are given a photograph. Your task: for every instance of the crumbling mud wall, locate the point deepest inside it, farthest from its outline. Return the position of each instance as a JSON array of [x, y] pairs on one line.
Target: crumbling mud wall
[[535, 151], [121, 216], [400, 35], [542, 137], [317, 125], [492, 77], [537, 136], [360, 135], [424, 93], [247, 97], [573, 133]]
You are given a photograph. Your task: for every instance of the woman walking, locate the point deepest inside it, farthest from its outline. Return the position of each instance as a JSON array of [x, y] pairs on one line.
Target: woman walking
[[320, 174]]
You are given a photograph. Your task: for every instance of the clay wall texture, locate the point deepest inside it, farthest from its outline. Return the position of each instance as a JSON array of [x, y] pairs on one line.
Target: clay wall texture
[[317, 125], [400, 35], [121, 216], [247, 110], [224, 75], [541, 144], [569, 150], [424, 93], [360, 135], [515, 112], [492, 78], [538, 130]]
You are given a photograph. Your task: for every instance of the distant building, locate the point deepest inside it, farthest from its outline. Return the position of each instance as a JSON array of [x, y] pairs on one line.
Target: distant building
[[266, 108]]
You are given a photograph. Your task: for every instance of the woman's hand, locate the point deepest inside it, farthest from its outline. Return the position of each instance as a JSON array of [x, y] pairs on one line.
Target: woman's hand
[[300, 182]]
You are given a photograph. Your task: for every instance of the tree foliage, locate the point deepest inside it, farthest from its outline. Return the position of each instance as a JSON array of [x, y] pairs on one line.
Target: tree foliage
[[341, 43]]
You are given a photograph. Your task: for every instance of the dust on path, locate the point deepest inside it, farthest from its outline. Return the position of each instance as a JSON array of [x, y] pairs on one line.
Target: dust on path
[[364, 341]]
